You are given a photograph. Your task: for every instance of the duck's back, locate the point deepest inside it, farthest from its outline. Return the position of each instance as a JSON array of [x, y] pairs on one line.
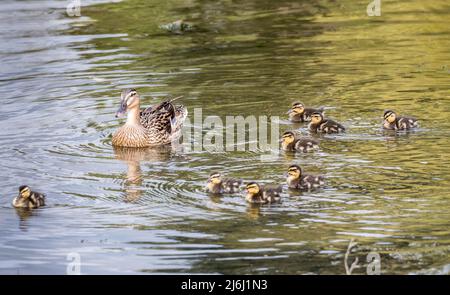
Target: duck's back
[[163, 122]]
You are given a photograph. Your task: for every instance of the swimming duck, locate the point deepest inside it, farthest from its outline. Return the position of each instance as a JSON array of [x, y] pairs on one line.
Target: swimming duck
[[262, 194], [156, 125], [218, 185], [394, 122], [291, 141], [321, 124], [28, 198], [297, 180], [299, 114]]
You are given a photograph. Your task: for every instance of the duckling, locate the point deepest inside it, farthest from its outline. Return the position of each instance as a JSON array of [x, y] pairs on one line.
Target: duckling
[[394, 122], [321, 124], [262, 194], [153, 126], [299, 114], [218, 185], [28, 198], [297, 180], [290, 141]]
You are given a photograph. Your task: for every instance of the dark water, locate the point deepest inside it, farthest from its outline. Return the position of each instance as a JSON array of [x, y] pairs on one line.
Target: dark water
[[145, 212]]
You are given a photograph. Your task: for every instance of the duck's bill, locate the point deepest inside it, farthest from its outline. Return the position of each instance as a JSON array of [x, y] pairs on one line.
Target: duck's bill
[[121, 111]]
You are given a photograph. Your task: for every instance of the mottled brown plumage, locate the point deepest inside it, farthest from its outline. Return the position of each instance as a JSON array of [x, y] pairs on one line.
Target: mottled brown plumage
[[157, 125], [28, 199], [394, 122], [262, 194], [216, 184], [299, 113], [297, 180], [291, 141], [324, 125]]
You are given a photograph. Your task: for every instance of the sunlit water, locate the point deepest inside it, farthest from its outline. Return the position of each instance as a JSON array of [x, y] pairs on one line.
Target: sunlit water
[[146, 212]]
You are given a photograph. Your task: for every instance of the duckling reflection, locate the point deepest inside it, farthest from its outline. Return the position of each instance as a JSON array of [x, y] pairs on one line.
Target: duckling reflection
[[133, 158], [24, 214], [254, 210]]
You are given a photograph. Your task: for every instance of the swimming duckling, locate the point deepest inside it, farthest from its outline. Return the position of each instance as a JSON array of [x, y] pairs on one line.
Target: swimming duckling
[[291, 141], [218, 185], [153, 126], [394, 122], [28, 198], [299, 114], [262, 194], [297, 180], [321, 124]]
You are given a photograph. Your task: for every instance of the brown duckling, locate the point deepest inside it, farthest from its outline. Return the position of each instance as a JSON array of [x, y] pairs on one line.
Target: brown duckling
[[297, 180], [260, 194], [394, 122], [324, 125], [218, 185], [28, 198], [291, 141], [299, 113]]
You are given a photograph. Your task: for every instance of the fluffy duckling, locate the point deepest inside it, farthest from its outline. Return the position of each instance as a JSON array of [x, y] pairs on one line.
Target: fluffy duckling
[[218, 185], [324, 125], [297, 180], [291, 141], [28, 198], [154, 126], [299, 113], [262, 194], [394, 122]]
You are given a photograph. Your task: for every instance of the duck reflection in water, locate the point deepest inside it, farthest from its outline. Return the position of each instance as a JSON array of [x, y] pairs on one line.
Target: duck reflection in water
[[133, 184], [24, 214]]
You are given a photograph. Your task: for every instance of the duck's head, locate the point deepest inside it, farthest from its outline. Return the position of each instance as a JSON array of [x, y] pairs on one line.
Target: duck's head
[[287, 137], [316, 117], [252, 188], [129, 99], [297, 108], [390, 116], [215, 178], [294, 172], [25, 191]]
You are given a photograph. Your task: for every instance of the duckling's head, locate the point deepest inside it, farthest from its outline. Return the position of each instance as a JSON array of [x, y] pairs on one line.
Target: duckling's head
[[298, 108], [316, 117], [215, 178], [294, 172], [390, 116], [252, 188], [287, 137], [129, 99], [24, 191]]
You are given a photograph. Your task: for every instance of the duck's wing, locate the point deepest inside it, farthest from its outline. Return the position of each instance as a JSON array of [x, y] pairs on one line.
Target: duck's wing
[[330, 126], [407, 123], [159, 117]]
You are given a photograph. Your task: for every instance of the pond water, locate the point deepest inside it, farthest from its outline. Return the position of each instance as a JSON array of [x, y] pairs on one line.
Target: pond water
[[128, 212]]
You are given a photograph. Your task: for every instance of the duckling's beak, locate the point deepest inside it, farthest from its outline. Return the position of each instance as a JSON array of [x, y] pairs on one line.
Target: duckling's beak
[[288, 112], [122, 110]]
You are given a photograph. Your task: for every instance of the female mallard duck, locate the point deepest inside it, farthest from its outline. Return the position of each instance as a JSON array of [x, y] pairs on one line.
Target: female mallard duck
[[156, 125], [28, 198], [262, 194], [299, 113], [291, 141], [218, 185], [321, 124], [297, 180], [394, 122]]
